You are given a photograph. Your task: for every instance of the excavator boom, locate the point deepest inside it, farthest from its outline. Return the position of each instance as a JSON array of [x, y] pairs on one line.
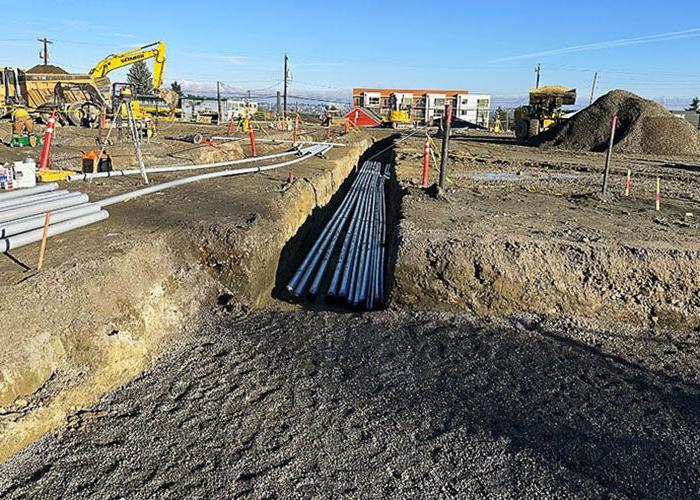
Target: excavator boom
[[155, 51]]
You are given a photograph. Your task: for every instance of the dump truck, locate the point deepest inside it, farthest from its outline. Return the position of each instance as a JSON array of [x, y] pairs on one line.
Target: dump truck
[[44, 89], [543, 111]]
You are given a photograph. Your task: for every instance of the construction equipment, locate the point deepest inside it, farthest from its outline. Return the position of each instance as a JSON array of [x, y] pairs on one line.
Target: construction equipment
[[96, 160], [143, 106], [77, 98], [124, 94], [399, 111], [543, 110]]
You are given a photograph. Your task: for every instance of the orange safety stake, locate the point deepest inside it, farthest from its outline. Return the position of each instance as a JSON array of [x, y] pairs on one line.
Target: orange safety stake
[[658, 194], [426, 162], [628, 184], [251, 129], [346, 127], [231, 124], [48, 137], [44, 236]]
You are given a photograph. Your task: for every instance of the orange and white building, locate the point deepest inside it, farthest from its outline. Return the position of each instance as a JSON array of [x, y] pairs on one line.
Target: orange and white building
[[425, 105]]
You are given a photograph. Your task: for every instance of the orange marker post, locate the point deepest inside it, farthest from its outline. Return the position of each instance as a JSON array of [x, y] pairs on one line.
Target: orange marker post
[[426, 162], [251, 129], [658, 194], [44, 236], [628, 184], [48, 138]]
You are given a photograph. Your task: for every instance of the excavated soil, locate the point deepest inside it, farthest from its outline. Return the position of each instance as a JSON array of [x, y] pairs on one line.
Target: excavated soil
[[517, 232], [644, 127], [577, 377], [145, 275]]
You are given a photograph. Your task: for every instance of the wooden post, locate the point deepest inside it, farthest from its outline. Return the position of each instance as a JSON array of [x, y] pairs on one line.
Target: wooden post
[[44, 236], [426, 162], [445, 145], [628, 184], [252, 138], [658, 194]]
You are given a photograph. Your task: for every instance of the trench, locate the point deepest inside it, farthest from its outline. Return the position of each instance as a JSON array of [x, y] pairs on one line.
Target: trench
[[296, 249]]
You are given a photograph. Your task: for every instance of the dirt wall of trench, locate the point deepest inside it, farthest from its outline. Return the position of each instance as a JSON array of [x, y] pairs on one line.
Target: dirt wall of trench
[[103, 321], [492, 274]]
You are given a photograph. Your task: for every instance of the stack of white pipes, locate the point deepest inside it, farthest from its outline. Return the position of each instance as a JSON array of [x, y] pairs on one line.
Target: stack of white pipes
[[358, 263], [23, 214]]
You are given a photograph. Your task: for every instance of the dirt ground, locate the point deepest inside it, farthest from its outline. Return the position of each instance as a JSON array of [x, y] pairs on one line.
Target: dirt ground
[[540, 342], [520, 229]]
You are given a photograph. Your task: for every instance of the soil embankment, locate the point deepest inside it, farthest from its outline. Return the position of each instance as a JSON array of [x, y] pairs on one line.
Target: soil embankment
[[112, 294], [508, 238]]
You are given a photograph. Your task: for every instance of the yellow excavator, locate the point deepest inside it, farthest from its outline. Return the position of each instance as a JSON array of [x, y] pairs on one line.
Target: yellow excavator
[[155, 51], [543, 111]]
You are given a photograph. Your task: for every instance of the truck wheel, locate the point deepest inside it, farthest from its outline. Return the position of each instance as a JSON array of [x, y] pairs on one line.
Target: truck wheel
[[533, 129], [521, 128]]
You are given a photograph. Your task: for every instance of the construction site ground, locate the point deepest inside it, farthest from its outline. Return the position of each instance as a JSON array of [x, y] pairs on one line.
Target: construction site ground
[[539, 341]]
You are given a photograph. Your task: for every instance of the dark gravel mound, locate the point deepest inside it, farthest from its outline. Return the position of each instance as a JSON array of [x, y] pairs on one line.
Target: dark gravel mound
[[47, 69], [644, 127], [385, 405]]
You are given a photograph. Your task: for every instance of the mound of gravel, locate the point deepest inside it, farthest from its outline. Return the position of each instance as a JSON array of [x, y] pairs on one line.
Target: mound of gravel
[[645, 127], [46, 69]]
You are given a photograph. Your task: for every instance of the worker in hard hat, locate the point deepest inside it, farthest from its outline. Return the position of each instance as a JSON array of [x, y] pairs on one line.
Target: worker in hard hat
[[21, 121]]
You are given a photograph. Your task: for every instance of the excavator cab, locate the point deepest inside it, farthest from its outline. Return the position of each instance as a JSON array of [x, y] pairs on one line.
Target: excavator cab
[[399, 111]]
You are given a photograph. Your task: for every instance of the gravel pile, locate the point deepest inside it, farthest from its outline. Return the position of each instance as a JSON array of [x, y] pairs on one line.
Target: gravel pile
[[46, 69], [645, 127]]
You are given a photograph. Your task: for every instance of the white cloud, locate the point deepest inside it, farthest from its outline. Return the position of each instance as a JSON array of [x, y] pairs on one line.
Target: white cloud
[[623, 42]]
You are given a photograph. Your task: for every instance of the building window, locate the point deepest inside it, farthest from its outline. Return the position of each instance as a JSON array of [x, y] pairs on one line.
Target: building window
[[440, 103], [373, 101], [482, 103]]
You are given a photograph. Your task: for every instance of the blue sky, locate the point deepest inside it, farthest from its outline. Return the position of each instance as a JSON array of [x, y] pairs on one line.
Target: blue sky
[[648, 47]]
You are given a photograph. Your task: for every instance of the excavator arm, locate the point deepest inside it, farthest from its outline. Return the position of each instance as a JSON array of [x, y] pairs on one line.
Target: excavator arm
[[155, 51]]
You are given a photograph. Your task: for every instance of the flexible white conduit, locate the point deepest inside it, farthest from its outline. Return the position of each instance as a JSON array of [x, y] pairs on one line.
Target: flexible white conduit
[[177, 168], [306, 153]]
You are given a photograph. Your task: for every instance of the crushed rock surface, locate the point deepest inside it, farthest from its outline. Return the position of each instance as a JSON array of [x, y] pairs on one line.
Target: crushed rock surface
[[390, 404]]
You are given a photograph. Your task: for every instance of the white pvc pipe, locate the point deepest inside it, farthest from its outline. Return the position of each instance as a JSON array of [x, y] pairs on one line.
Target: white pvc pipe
[[36, 221], [224, 173], [317, 143], [18, 193], [19, 240], [176, 168], [35, 198], [69, 201]]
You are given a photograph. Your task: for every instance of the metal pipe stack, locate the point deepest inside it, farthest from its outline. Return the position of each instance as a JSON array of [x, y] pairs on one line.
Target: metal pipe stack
[[23, 214], [347, 260]]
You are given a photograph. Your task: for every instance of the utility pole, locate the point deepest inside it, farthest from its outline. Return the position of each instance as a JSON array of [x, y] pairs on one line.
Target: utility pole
[[595, 80], [279, 104], [538, 70], [44, 54], [218, 102], [286, 78]]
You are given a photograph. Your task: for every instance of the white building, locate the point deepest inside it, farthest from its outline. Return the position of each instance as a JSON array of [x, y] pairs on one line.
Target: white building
[[196, 109]]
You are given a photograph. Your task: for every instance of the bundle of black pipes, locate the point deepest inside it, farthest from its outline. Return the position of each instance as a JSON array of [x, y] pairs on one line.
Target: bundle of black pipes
[[354, 270]]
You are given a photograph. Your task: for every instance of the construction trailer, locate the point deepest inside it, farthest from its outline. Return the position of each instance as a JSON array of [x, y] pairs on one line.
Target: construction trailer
[[425, 107]]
